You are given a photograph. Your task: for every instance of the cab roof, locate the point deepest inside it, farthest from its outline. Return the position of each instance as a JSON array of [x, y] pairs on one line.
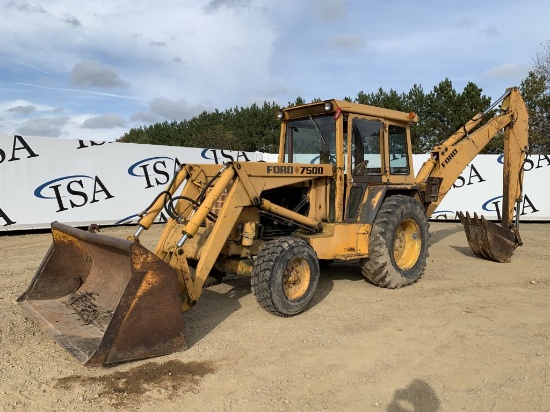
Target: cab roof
[[318, 108]]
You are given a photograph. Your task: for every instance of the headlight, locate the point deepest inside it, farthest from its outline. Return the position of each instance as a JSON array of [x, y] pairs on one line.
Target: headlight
[[328, 106], [280, 115]]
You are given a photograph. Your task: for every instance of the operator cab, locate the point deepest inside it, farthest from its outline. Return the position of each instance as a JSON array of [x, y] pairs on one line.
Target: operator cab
[[367, 145], [372, 141]]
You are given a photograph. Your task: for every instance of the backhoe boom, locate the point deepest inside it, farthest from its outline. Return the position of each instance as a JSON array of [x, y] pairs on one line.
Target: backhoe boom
[[449, 159]]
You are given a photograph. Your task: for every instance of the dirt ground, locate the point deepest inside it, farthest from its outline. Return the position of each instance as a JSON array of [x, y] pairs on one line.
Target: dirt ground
[[471, 335]]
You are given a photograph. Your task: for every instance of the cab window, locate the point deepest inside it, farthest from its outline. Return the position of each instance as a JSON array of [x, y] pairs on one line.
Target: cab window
[[397, 140], [311, 140], [367, 149]]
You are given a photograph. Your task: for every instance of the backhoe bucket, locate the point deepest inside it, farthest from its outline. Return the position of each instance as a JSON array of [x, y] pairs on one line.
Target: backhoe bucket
[[105, 300], [489, 240]]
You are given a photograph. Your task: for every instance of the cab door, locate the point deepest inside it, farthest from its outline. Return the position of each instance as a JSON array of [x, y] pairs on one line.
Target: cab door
[[399, 156], [366, 157], [379, 155], [366, 160]]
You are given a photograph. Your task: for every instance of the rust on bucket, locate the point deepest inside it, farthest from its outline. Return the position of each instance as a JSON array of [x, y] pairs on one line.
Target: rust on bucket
[[104, 299], [489, 240]]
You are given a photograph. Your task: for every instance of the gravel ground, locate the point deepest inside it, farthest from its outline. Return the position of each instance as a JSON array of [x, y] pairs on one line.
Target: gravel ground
[[471, 335]]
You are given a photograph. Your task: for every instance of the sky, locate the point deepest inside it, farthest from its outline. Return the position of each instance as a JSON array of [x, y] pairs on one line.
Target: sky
[[94, 70]]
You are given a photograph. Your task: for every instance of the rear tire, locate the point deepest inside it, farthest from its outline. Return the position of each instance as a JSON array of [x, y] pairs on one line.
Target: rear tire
[[285, 276], [398, 246]]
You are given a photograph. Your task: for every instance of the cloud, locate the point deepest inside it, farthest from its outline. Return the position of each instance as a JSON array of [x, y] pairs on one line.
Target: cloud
[[104, 121], [173, 110], [92, 73], [103, 57], [25, 7], [44, 127], [347, 42], [331, 9], [71, 20], [214, 5], [491, 31], [144, 117], [465, 23], [506, 71], [22, 109]]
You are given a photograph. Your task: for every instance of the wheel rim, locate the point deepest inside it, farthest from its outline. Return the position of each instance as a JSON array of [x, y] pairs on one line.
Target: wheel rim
[[407, 244], [296, 279]]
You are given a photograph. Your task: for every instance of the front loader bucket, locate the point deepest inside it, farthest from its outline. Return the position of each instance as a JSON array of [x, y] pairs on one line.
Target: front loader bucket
[[489, 240], [105, 300]]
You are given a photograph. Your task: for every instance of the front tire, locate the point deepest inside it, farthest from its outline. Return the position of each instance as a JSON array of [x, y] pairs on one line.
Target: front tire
[[399, 242], [285, 276]]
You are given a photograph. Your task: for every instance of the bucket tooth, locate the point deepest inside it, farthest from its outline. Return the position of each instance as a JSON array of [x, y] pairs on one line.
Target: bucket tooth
[[105, 300], [488, 240]]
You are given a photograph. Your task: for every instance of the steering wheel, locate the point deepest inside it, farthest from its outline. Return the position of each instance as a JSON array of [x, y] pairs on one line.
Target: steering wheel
[[327, 156]]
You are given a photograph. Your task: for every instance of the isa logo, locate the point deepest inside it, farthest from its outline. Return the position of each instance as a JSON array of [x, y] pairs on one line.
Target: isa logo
[[224, 156], [73, 191], [531, 161], [495, 205], [20, 147], [155, 171]]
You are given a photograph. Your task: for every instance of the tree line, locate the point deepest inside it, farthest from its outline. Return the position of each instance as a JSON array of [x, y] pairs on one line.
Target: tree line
[[441, 111]]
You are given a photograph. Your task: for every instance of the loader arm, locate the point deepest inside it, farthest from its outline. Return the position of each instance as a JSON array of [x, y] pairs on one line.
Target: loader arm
[[185, 236], [448, 160]]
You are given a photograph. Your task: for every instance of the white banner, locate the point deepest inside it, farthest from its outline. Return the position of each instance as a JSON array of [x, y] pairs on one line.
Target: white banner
[[479, 189], [79, 182]]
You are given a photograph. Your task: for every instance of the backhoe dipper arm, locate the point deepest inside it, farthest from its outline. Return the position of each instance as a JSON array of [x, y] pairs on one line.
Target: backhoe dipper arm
[[449, 159]]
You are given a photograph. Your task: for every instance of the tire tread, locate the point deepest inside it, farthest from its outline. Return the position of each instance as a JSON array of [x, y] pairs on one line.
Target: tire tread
[[379, 268]]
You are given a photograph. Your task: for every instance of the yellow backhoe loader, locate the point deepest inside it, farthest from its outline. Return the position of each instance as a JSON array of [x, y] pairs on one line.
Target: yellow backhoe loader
[[343, 189]]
